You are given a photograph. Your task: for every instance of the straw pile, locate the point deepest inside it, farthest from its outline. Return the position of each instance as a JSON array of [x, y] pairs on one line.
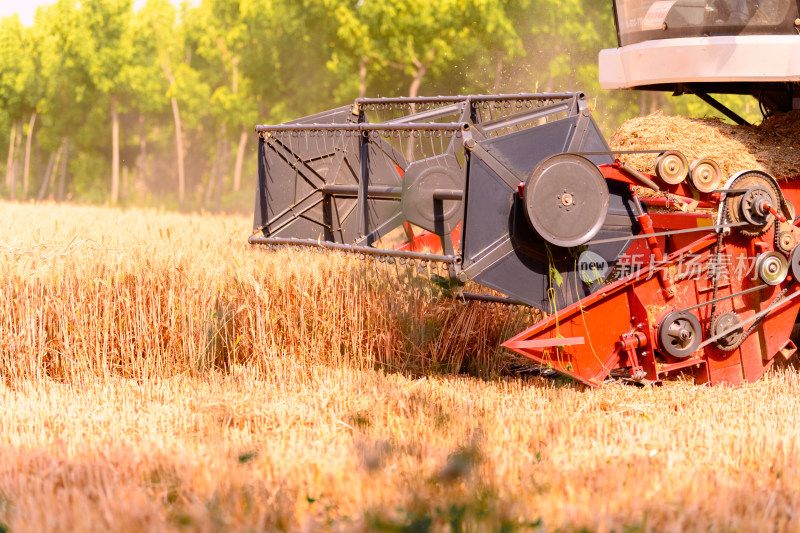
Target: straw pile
[[773, 146]]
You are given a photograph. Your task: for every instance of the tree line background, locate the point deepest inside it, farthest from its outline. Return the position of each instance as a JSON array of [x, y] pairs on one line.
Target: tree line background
[[103, 103]]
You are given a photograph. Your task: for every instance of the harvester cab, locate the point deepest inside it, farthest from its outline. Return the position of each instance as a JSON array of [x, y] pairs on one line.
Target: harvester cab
[[645, 275], [706, 47]]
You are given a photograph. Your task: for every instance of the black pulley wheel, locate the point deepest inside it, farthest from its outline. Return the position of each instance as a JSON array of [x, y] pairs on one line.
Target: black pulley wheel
[[679, 334], [566, 200]]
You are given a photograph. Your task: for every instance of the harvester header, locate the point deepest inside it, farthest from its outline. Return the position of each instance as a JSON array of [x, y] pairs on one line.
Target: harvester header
[[645, 275]]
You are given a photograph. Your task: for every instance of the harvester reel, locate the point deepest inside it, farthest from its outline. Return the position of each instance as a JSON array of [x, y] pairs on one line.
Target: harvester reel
[[724, 322], [705, 175], [679, 334], [672, 167], [566, 200], [752, 189], [425, 203]]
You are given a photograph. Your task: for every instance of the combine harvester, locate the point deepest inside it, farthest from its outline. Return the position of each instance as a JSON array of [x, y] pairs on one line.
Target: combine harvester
[[682, 271]]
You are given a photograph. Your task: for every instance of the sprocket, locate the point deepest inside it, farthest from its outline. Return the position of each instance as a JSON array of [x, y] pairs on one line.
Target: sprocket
[[784, 241], [760, 186], [723, 322]]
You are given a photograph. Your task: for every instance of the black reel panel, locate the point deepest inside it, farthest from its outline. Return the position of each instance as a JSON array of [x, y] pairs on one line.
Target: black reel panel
[[310, 180], [501, 248], [432, 193], [337, 178]]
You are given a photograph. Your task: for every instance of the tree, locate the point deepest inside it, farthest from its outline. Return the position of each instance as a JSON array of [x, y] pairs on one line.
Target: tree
[[418, 37], [225, 36], [107, 24], [16, 85], [67, 91], [158, 19]]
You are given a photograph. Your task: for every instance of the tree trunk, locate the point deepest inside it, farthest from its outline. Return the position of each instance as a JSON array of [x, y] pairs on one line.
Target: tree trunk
[[237, 172], [141, 159], [362, 77], [114, 151], [63, 179], [14, 165], [124, 183], [223, 171], [413, 92], [212, 179], [37, 157], [27, 169], [50, 165], [176, 115], [12, 140], [235, 62], [657, 100], [498, 73], [240, 152]]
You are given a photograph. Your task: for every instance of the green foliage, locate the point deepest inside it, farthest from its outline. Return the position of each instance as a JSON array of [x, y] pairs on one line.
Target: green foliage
[[229, 64], [16, 71], [745, 106], [400, 42], [106, 25]]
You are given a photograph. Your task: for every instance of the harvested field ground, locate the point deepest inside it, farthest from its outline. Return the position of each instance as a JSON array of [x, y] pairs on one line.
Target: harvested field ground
[[157, 373]]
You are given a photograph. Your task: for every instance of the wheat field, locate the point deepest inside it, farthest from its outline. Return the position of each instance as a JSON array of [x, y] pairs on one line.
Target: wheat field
[[159, 374]]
